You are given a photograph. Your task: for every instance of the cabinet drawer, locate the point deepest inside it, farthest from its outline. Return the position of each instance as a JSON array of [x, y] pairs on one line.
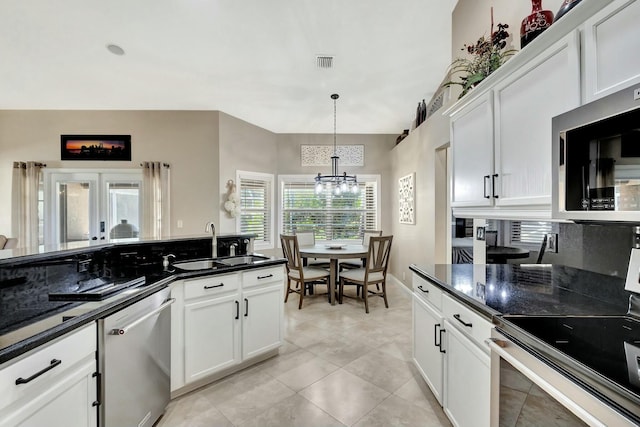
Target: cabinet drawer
[[427, 291], [466, 320], [210, 285], [69, 350], [262, 276]]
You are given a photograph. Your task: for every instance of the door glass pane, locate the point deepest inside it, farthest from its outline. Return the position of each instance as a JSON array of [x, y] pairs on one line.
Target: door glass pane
[[74, 211], [124, 209]]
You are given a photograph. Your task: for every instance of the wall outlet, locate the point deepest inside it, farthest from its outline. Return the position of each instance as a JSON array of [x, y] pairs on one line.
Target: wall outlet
[[403, 276], [180, 224], [552, 242], [636, 93]]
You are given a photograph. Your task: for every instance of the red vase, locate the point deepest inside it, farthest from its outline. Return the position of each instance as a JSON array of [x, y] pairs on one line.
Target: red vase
[[534, 24]]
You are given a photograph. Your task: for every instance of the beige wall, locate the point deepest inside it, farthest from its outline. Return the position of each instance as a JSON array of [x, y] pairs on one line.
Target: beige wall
[[425, 241], [243, 147], [188, 140]]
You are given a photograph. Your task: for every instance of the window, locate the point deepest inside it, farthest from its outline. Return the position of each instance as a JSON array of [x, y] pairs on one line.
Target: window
[[341, 218], [529, 232], [256, 207]]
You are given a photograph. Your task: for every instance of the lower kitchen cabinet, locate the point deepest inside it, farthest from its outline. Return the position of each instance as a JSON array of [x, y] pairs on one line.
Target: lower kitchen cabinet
[[468, 381], [211, 332], [449, 352], [60, 388], [428, 355], [221, 321]]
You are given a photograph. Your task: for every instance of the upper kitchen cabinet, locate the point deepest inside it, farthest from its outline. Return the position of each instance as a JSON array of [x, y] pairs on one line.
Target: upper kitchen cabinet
[[525, 103], [472, 134], [611, 44], [501, 134], [501, 140]]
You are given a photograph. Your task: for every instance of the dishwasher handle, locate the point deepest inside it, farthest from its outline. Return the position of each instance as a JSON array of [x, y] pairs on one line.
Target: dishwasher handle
[[125, 329]]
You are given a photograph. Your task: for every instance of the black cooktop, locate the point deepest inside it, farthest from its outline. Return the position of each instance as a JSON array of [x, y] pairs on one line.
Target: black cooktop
[[606, 347]]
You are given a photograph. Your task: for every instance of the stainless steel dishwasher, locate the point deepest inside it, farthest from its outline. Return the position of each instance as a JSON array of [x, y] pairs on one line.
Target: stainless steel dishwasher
[[134, 361]]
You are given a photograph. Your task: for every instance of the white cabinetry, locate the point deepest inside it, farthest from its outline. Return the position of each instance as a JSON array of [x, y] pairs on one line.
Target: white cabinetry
[[450, 353], [611, 44], [428, 355], [467, 399], [525, 103], [501, 140], [56, 384], [472, 147], [220, 321]]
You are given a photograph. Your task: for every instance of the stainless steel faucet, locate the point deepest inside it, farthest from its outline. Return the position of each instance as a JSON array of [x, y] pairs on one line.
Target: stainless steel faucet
[[232, 249], [214, 244]]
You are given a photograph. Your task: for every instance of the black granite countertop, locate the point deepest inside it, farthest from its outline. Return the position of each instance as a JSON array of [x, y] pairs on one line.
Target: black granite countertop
[[529, 289], [47, 320]]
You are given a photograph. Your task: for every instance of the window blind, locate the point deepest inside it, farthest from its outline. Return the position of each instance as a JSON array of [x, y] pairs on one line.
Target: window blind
[[342, 217], [529, 232], [255, 200]]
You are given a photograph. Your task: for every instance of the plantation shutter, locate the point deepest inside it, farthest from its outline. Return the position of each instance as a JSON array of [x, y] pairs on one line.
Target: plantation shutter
[[255, 216], [342, 217]]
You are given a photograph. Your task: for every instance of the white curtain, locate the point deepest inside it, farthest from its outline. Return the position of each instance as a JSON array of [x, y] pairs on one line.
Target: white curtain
[[156, 220], [27, 177]]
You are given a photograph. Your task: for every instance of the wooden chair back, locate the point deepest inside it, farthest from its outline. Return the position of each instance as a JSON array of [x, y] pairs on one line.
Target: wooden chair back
[[291, 252], [368, 234], [378, 255]]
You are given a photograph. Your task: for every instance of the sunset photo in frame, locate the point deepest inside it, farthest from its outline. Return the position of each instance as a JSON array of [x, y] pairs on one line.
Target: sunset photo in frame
[[95, 147]]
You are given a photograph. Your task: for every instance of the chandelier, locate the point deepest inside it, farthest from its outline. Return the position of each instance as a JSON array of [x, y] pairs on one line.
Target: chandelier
[[336, 183]]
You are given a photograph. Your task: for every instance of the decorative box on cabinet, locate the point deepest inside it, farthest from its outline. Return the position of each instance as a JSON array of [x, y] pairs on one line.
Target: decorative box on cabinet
[[60, 388], [611, 43]]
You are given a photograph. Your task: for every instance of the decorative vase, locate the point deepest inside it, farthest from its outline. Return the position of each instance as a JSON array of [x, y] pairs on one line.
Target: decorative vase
[[566, 6], [534, 24]]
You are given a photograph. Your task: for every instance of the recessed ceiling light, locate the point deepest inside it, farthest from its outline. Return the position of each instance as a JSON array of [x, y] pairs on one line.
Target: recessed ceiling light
[[115, 49]]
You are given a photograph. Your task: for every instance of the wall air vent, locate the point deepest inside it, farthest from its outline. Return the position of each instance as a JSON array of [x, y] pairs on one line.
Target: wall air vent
[[324, 61]]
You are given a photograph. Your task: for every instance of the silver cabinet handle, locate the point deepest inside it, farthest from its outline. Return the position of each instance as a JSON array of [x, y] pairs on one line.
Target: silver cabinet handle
[[125, 329]]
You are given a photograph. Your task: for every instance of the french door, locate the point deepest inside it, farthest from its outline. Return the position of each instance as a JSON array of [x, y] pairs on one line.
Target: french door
[[92, 206]]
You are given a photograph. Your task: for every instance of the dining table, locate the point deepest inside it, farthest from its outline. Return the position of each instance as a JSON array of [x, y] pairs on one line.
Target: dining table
[[333, 252]]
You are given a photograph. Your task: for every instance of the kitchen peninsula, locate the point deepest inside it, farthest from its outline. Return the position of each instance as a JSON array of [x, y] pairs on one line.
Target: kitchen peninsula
[[51, 303], [571, 320]]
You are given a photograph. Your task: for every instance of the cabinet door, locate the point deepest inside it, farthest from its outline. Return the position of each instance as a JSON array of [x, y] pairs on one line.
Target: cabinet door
[[526, 101], [612, 43], [211, 336], [467, 381], [262, 320], [67, 402], [472, 148], [426, 354]]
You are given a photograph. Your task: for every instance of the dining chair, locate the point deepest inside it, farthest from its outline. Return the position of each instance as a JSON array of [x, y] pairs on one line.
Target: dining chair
[[3, 240], [350, 265], [298, 273], [374, 272], [308, 238]]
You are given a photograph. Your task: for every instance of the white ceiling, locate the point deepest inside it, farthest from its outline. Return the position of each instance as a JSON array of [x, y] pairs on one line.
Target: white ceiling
[[252, 59]]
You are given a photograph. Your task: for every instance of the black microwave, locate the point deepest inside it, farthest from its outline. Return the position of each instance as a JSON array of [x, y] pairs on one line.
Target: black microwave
[[596, 160]]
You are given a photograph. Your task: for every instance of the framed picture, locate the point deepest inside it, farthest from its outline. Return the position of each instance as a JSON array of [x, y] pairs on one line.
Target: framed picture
[[406, 199], [95, 147]]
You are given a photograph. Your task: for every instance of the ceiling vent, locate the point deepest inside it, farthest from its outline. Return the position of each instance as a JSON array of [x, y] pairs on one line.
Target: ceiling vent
[[324, 61]]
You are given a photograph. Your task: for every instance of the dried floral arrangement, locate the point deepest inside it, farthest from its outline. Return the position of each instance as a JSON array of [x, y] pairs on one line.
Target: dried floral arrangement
[[487, 55]]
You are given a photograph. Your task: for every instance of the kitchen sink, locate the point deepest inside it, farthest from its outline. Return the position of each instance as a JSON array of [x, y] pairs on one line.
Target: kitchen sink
[[200, 264], [213, 263], [242, 260]]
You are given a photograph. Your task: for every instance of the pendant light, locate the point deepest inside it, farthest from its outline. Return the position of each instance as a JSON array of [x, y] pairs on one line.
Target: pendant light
[[335, 183]]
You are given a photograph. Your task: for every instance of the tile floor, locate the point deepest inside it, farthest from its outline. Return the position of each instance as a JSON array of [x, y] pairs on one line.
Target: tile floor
[[338, 367]]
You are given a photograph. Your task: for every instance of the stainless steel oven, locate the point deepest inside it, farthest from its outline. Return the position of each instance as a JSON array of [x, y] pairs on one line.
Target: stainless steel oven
[[528, 388], [134, 361]]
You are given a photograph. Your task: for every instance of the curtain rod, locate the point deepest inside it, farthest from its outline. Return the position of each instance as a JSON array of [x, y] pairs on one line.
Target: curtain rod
[[23, 165]]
